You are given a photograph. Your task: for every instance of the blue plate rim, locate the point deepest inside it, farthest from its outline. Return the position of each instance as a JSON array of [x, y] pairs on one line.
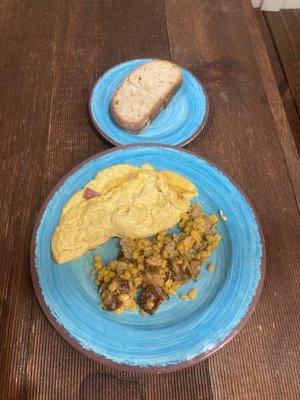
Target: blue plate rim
[[99, 358], [117, 144]]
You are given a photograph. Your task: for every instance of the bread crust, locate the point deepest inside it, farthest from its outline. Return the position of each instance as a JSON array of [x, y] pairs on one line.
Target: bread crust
[[158, 104]]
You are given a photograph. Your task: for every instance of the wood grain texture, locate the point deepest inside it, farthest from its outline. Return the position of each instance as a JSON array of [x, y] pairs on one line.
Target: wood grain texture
[[242, 138], [281, 81], [52, 52], [285, 34], [285, 30], [283, 130]]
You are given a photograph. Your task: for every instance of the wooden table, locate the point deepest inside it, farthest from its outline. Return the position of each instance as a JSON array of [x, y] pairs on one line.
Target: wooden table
[[52, 53]]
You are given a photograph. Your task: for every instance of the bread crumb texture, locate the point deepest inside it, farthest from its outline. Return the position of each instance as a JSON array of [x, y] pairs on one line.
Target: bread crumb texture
[[144, 93]]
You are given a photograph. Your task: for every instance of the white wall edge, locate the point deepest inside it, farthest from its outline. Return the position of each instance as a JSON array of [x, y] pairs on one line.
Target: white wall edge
[[276, 5]]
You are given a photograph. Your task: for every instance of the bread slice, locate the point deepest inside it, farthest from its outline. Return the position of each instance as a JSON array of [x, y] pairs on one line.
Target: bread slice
[[134, 108], [143, 93], [159, 77]]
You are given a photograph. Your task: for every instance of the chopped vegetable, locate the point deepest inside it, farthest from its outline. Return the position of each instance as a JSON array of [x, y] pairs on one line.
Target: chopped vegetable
[[90, 193], [149, 271]]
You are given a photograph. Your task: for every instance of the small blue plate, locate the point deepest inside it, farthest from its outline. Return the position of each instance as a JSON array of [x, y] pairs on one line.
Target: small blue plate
[[176, 125], [181, 332]]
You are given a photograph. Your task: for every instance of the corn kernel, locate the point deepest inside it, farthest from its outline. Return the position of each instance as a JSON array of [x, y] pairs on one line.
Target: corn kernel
[[101, 274], [150, 304], [214, 218], [188, 229], [168, 283], [160, 237], [112, 287], [119, 310], [113, 267], [176, 285], [97, 258], [195, 234], [211, 268], [180, 247], [184, 296], [126, 276], [138, 281], [184, 216], [172, 292], [192, 294], [188, 242], [165, 254], [135, 255], [123, 297], [113, 263], [98, 264], [112, 274], [155, 248], [141, 267], [107, 279], [148, 276], [143, 313], [132, 305], [164, 263]]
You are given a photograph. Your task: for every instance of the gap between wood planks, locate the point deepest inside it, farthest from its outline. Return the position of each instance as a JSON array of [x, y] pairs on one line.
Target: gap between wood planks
[[285, 136], [281, 34]]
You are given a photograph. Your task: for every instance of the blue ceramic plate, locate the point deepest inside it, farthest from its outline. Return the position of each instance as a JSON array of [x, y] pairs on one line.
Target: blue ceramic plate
[[178, 124], [181, 332]]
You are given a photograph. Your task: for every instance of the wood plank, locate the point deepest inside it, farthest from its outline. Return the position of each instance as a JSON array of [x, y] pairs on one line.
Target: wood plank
[[284, 27], [283, 129], [242, 138], [280, 78], [26, 81], [282, 84]]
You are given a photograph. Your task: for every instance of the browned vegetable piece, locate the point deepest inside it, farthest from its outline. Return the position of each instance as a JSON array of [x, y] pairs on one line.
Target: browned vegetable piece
[[122, 286], [151, 298], [110, 300], [128, 246], [90, 193]]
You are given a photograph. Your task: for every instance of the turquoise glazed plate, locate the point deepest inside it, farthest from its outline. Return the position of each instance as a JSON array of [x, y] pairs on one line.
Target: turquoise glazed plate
[[181, 332], [182, 119]]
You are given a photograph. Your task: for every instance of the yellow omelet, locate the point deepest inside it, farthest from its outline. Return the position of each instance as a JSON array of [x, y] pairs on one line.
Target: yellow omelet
[[121, 201]]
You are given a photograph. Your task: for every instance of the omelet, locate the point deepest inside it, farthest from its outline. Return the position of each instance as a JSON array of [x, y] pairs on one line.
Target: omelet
[[121, 201]]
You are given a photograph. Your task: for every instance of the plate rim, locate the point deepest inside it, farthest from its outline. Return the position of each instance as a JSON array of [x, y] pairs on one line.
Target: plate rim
[[73, 342], [118, 144]]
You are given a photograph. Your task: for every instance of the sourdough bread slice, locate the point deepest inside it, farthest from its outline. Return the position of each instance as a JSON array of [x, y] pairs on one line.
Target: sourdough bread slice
[[143, 93], [134, 108], [159, 77]]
